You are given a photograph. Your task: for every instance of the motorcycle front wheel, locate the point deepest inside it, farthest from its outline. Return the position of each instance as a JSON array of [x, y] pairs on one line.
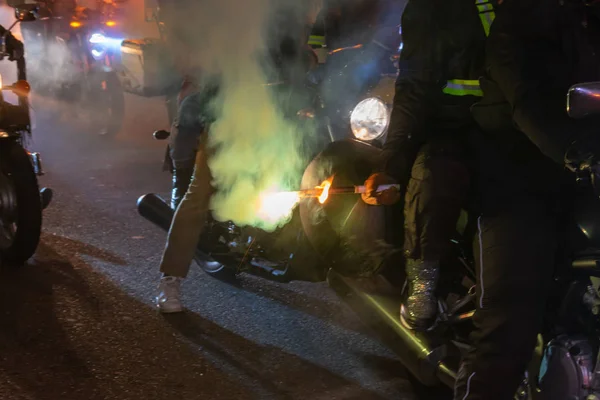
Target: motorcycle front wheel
[[20, 205]]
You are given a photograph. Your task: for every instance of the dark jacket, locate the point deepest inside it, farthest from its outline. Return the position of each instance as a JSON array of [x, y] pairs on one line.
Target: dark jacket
[[342, 23], [442, 41], [536, 50]]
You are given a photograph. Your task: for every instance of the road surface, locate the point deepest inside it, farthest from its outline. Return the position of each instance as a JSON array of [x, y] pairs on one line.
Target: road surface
[[79, 322]]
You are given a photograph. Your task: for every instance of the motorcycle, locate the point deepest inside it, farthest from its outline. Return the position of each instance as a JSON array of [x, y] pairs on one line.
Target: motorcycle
[[82, 53], [342, 241], [21, 201], [223, 250]]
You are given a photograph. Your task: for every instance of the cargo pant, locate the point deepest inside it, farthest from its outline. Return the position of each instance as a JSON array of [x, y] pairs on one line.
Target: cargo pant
[[515, 254], [190, 217], [436, 192]]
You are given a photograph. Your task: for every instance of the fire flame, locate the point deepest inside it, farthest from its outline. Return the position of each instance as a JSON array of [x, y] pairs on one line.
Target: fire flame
[[325, 193], [275, 206]]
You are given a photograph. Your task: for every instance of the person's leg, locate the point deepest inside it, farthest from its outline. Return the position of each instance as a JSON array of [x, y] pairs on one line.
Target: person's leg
[[436, 192], [186, 227], [515, 254], [183, 143]]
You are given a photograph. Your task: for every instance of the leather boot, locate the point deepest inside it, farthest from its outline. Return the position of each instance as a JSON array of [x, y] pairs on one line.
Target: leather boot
[[181, 180], [420, 309]]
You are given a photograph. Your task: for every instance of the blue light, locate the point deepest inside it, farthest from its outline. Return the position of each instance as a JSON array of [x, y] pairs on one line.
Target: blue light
[[97, 54]]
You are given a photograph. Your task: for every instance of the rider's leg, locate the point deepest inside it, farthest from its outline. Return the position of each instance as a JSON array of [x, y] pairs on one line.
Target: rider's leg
[[186, 227], [183, 142], [515, 254], [436, 192]]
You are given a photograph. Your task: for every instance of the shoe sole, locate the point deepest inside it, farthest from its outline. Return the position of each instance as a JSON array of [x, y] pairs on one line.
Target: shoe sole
[[166, 311]]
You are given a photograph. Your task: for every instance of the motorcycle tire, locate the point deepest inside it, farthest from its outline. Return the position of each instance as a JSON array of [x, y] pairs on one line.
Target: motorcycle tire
[[16, 165], [214, 268]]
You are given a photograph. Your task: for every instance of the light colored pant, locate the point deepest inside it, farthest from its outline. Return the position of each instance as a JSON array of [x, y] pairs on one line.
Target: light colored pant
[[189, 219]]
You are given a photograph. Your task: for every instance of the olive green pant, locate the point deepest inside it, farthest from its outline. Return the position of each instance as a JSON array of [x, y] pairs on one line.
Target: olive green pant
[[189, 219]]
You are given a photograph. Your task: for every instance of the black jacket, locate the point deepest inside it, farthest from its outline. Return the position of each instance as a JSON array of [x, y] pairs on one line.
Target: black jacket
[[536, 50], [442, 41]]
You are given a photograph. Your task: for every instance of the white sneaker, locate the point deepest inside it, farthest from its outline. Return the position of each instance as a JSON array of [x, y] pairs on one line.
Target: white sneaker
[[169, 295]]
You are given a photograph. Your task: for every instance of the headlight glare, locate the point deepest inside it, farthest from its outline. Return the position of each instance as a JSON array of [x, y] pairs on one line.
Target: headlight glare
[[97, 38], [369, 119]]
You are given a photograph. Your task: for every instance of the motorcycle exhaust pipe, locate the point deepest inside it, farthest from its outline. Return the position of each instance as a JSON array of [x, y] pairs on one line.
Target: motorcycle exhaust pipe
[[156, 210], [424, 361]]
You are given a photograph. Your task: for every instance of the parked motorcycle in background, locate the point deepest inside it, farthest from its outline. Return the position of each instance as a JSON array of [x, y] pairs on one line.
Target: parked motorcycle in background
[[21, 202], [73, 59]]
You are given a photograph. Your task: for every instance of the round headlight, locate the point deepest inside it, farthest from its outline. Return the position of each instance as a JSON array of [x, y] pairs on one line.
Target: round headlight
[[369, 119]]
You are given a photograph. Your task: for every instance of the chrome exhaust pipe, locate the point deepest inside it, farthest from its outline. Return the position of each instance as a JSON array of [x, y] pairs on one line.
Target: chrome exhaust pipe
[[423, 360], [156, 210]]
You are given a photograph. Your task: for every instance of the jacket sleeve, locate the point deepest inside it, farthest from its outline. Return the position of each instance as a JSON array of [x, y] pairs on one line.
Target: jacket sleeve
[[522, 55], [418, 87]]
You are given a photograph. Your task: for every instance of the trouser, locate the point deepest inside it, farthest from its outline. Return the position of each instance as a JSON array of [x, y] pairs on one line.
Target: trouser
[[185, 129], [189, 219], [436, 192], [515, 251]]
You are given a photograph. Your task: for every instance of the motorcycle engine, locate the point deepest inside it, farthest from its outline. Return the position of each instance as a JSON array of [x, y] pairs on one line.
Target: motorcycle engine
[[567, 369]]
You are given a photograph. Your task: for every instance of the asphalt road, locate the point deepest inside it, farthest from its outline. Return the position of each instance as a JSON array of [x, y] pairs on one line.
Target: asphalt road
[[78, 322]]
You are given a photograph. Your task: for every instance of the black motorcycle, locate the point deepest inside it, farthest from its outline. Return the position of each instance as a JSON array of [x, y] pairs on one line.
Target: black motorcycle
[[354, 122], [75, 59], [21, 202]]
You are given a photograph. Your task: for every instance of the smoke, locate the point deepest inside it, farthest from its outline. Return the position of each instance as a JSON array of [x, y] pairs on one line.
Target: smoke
[[256, 149]]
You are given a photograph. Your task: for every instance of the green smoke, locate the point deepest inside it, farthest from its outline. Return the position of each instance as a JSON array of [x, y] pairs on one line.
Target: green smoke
[[256, 148]]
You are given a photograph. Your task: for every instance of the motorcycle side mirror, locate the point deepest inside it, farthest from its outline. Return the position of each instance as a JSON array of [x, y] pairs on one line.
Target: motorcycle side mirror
[[583, 100], [26, 14]]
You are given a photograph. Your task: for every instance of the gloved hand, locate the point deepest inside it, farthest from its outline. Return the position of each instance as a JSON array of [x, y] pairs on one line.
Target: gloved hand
[[383, 198]]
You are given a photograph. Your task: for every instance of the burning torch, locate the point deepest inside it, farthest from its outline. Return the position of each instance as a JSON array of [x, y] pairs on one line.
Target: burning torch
[[323, 191], [274, 205]]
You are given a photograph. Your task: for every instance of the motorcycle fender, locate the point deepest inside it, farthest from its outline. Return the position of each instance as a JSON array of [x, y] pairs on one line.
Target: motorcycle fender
[[341, 217]]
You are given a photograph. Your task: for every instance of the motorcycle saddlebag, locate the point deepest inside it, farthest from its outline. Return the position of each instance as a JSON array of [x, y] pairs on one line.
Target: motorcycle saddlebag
[[147, 70]]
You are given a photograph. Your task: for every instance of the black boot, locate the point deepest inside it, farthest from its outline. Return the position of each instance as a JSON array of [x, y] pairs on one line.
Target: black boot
[[420, 309], [181, 180]]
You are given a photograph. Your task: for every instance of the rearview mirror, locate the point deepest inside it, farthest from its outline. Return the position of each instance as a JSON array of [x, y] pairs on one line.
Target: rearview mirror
[[151, 7], [583, 100], [26, 12]]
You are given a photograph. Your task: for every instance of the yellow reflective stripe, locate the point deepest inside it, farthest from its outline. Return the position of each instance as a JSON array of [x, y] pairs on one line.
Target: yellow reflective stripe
[[486, 14], [463, 87], [315, 40]]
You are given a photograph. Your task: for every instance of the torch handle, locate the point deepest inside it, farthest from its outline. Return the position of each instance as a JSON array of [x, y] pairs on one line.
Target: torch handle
[[380, 188]]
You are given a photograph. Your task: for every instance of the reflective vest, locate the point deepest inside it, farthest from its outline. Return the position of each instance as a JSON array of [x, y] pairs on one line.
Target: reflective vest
[[470, 87], [316, 40]]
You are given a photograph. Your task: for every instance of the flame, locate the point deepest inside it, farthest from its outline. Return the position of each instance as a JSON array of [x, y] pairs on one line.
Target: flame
[[325, 193], [274, 206]]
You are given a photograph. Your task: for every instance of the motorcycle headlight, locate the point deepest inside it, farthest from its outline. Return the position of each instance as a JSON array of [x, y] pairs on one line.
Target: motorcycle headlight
[[369, 119], [98, 45], [97, 38]]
